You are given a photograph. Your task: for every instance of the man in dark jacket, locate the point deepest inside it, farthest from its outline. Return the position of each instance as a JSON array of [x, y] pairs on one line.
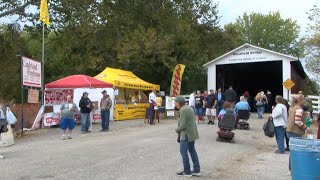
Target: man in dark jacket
[[231, 96], [220, 100], [85, 109]]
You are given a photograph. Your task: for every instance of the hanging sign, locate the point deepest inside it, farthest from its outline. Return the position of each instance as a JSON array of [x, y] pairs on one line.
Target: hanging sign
[[33, 96]]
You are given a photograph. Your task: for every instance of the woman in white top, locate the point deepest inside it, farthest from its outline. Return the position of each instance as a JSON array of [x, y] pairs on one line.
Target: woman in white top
[[280, 119]]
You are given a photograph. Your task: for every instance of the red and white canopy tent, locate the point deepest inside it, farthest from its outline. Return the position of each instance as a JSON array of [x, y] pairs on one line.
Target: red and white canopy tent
[[78, 81], [57, 91]]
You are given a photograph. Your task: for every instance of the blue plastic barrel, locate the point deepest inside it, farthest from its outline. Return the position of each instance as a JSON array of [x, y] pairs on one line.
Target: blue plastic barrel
[[305, 159]]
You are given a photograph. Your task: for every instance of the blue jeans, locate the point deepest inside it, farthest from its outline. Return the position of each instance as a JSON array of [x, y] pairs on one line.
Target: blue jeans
[[260, 111], [85, 122], [186, 146], [152, 114], [280, 135], [219, 107], [105, 119], [291, 135]]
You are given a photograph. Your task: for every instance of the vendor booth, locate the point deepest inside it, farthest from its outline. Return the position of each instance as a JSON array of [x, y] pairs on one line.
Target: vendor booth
[[131, 94], [56, 93]]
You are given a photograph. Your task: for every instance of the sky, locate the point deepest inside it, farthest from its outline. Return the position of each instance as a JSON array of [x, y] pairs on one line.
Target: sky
[[229, 10]]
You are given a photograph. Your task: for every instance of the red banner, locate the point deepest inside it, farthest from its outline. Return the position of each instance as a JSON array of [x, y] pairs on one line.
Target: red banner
[[56, 96]]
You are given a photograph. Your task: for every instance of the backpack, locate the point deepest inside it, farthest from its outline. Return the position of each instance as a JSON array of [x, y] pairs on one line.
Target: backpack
[[268, 128]]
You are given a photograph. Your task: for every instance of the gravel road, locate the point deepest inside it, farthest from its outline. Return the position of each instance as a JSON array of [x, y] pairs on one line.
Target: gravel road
[[132, 150]]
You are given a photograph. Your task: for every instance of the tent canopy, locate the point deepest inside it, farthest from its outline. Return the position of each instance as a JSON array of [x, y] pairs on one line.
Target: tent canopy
[[78, 81], [125, 79]]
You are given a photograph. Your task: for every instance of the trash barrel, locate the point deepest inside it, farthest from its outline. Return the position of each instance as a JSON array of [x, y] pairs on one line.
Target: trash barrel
[[305, 159]]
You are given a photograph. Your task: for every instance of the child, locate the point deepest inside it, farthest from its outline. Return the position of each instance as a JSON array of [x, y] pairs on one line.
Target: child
[[308, 119]]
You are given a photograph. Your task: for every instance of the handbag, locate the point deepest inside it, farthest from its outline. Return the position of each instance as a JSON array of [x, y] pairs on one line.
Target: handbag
[[268, 128], [11, 119], [178, 139]]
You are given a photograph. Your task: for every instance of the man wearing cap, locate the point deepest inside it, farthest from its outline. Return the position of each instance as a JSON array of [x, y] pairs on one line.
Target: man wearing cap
[[188, 134], [210, 107], [85, 109], [105, 106]]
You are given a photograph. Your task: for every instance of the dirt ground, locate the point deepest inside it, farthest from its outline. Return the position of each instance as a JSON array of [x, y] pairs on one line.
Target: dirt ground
[[132, 150]]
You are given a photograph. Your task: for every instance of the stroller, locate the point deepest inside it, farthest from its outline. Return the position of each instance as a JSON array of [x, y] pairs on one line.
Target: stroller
[[226, 125], [243, 117]]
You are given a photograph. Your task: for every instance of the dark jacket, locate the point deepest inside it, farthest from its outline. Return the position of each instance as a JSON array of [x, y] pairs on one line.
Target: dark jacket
[[222, 98], [84, 102], [230, 95], [3, 122]]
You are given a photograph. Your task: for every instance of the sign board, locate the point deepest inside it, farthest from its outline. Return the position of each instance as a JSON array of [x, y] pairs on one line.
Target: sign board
[[288, 84], [170, 103], [31, 72], [51, 119], [96, 116], [33, 96], [56, 96]]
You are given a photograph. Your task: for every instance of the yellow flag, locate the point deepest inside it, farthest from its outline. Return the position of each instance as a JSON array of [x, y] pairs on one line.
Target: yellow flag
[[176, 80], [44, 14]]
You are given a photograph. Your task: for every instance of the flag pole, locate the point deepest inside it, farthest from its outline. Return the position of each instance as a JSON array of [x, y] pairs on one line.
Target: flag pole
[[42, 69]]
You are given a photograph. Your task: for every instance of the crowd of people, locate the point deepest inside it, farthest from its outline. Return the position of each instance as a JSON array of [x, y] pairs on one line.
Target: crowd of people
[[292, 120]]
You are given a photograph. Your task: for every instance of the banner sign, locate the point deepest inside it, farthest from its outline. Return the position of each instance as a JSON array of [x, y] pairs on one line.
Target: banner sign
[[176, 80], [51, 119], [170, 103], [33, 96], [96, 116], [130, 111], [56, 96], [31, 72]]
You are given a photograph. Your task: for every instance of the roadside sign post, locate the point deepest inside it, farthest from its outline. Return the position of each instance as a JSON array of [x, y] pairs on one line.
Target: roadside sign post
[[288, 84], [31, 76]]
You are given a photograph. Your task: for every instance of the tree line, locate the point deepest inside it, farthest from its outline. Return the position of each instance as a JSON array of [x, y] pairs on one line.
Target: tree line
[[146, 37]]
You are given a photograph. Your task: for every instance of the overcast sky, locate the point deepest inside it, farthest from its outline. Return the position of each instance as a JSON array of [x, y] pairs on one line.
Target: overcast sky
[[229, 10]]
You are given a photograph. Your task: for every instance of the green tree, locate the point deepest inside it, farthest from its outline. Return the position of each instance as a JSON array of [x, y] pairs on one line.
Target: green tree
[[312, 43], [268, 31]]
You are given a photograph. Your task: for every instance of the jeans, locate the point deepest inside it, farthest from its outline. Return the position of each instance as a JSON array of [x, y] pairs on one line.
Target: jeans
[[152, 114], [105, 119], [186, 146], [85, 122], [291, 135], [260, 111], [219, 107], [280, 135]]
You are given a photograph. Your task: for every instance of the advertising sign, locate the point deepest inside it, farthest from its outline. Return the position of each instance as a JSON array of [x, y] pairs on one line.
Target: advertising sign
[[170, 103], [51, 119], [33, 96], [56, 96], [31, 72]]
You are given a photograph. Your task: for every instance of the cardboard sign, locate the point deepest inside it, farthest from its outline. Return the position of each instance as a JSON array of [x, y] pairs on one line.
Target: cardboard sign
[[33, 96]]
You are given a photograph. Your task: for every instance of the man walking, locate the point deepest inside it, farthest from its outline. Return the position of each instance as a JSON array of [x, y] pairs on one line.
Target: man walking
[[105, 106], [210, 107], [85, 109], [188, 133], [220, 100], [231, 96], [67, 114], [153, 103]]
